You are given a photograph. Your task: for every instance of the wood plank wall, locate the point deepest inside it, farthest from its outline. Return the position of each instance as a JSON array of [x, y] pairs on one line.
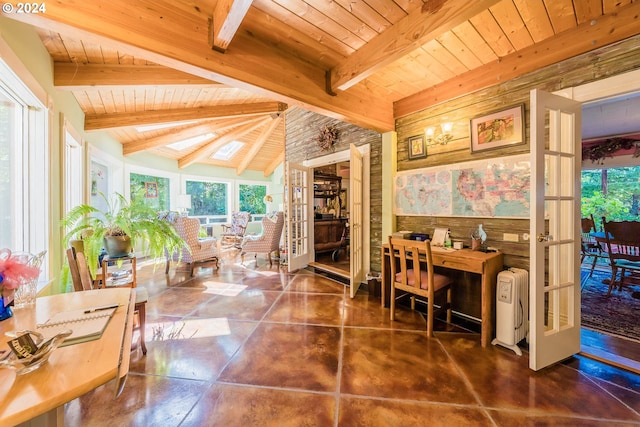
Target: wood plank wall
[[302, 129], [596, 65]]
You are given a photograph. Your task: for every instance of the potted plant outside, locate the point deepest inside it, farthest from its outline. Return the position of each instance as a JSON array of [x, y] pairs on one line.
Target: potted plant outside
[[126, 223]]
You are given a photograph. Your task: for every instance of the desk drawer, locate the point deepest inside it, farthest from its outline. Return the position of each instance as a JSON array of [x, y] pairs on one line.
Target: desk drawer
[[470, 265]]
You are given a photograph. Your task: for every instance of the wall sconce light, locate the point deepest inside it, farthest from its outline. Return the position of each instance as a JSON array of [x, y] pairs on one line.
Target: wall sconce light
[[442, 138]]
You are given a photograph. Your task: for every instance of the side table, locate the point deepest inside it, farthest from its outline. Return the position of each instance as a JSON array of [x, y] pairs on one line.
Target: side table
[[116, 274]]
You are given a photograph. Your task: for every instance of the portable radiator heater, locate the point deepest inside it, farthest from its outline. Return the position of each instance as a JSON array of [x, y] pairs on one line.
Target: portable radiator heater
[[512, 308]]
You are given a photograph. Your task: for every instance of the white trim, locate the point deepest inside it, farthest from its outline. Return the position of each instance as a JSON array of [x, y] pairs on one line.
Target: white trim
[[340, 156], [26, 78], [345, 156], [603, 89]]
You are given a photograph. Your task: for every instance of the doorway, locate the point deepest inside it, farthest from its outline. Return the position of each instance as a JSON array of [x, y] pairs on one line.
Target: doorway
[[602, 103], [331, 219], [353, 163]]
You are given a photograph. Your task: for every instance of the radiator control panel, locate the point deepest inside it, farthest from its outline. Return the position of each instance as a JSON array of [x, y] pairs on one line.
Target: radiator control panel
[[504, 291]]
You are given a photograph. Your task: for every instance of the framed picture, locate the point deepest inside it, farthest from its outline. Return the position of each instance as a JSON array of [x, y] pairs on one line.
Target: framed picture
[[417, 149], [498, 129], [151, 190]]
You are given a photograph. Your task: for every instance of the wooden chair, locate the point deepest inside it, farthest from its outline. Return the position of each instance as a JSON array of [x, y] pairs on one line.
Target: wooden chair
[[232, 234], [589, 246], [623, 245], [409, 257], [82, 281], [266, 242]]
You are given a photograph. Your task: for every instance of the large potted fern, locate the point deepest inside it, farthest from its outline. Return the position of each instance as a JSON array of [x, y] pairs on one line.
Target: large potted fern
[[122, 226]]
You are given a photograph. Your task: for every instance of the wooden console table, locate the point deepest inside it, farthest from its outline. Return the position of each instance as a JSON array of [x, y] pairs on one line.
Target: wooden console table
[[485, 265]]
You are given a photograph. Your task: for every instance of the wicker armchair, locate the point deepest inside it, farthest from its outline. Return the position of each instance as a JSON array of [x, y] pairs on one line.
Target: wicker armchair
[[268, 241]]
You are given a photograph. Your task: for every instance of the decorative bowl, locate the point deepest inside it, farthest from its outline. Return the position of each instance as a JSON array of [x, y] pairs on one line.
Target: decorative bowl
[[31, 363]]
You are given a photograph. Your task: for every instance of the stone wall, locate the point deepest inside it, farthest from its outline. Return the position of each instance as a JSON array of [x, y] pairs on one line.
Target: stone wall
[[302, 129]]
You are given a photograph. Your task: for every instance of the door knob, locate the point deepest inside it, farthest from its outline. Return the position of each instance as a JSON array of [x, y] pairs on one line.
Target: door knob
[[544, 237]]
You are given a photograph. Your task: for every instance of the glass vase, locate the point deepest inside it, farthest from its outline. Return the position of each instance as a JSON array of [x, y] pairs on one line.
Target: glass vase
[[27, 291], [5, 311]]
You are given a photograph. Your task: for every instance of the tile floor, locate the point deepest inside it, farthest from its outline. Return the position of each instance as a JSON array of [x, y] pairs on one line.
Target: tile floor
[[255, 346]]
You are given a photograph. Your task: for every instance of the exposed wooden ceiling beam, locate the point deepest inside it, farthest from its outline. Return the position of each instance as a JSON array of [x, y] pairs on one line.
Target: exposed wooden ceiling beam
[[181, 42], [212, 146], [585, 37], [274, 164], [413, 31], [181, 133], [257, 144], [227, 17], [110, 121], [68, 76]]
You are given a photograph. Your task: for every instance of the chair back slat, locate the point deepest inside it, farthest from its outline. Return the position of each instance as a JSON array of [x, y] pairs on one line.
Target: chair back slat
[[80, 274]]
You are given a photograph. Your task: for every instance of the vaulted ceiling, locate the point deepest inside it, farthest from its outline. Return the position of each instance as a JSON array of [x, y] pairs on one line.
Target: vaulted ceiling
[[228, 69]]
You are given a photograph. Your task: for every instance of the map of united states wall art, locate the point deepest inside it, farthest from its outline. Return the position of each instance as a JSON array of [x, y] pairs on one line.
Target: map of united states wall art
[[485, 188]]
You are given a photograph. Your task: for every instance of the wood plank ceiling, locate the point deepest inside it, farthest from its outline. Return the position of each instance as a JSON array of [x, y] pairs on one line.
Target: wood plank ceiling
[[229, 68]]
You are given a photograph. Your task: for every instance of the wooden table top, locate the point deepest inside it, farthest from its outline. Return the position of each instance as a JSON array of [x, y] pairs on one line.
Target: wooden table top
[[70, 371]]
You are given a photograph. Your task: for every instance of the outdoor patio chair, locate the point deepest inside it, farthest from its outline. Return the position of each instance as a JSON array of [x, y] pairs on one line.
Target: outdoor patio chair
[[589, 246]]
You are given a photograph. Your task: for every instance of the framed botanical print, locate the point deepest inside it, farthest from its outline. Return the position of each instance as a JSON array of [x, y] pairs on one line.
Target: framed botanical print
[[498, 129]]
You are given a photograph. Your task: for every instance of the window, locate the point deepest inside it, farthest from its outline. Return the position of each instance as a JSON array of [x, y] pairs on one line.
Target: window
[[24, 171], [153, 189], [73, 167], [251, 199], [611, 192], [209, 200]]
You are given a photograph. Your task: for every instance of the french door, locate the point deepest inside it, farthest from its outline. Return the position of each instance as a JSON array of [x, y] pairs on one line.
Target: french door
[[555, 229], [356, 250], [298, 192]]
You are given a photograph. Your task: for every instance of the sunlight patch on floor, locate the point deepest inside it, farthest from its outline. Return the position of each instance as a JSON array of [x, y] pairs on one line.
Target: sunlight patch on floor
[[190, 328]]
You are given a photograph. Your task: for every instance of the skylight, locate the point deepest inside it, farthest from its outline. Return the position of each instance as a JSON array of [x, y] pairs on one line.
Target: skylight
[[189, 142], [228, 151]]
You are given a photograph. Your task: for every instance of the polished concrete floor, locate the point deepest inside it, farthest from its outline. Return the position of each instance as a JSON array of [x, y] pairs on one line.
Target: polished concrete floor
[[256, 346]]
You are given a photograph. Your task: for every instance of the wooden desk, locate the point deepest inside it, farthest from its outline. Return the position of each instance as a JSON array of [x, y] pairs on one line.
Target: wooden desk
[[71, 371], [486, 265]]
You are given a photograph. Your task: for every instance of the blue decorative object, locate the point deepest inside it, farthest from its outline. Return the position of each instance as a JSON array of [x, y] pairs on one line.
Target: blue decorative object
[[5, 311]]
